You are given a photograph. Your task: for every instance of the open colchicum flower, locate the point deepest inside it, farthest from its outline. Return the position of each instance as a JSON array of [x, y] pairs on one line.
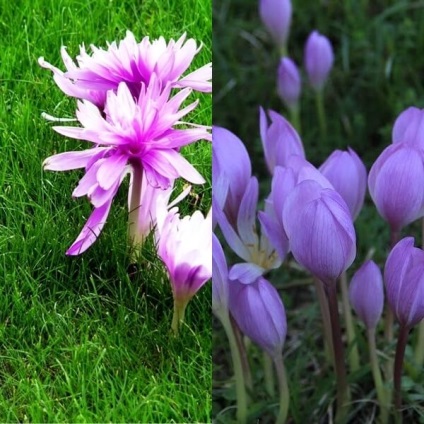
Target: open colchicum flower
[[133, 63], [135, 136], [185, 247]]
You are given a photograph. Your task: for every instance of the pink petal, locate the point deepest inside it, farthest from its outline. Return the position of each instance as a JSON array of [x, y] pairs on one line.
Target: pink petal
[[71, 160], [111, 170]]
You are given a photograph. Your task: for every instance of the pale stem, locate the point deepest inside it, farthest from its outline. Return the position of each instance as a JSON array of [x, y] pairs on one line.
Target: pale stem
[[350, 328], [342, 387], [397, 376], [238, 371], [295, 118], [284, 390], [319, 98], [134, 235], [382, 393], [243, 354], [268, 375], [178, 317], [326, 323]]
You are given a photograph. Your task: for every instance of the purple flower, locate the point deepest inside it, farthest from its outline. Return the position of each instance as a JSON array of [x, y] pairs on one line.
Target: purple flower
[[320, 230], [283, 182], [259, 312], [319, 58], [280, 140], [288, 82], [231, 171], [348, 175], [185, 247], [131, 62], [276, 16], [133, 136], [409, 127], [366, 293], [396, 182], [404, 280], [220, 288], [244, 240]]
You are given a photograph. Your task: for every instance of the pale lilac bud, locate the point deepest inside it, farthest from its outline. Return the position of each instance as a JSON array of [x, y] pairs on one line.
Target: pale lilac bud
[[320, 230], [288, 82], [232, 170], [404, 280], [348, 175], [259, 312], [409, 127], [396, 184], [280, 140], [366, 293], [319, 58], [276, 16]]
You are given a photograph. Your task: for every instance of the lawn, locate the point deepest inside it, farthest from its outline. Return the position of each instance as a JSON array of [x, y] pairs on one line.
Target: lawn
[[378, 72], [87, 338]]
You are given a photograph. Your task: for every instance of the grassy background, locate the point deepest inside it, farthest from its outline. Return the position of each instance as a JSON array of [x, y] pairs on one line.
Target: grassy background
[[81, 340], [378, 72]]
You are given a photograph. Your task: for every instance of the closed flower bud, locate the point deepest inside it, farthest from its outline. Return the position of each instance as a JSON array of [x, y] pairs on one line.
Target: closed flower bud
[[276, 16], [396, 184], [348, 175], [320, 230], [319, 58], [404, 280], [366, 293], [280, 140], [409, 127], [259, 312], [288, 82]]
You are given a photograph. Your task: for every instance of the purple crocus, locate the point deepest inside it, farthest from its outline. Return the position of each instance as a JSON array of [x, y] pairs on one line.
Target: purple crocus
[[259, 312], [319, 58], [366, 293], [131, 62], [231, 171], [185, 247], [325, 245], [279, 140], [409, 127], [134, 136], [244, 240], [348, 175], [404, 280], [276, 16], [395, 184], [288, 82]]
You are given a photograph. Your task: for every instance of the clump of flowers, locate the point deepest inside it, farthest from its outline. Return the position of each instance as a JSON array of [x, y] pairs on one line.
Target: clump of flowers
[[130, 108]]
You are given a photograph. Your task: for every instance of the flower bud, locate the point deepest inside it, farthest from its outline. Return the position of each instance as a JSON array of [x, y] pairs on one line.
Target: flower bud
[[409, 127], [280, 140], [288, 82], [404, 280], [319, 58], [276, 16], [348, 175], [259, 312], [320, 230], [396, 184], [366, 293]]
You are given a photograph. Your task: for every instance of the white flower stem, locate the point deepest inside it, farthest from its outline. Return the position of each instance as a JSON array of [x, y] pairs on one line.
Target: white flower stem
[[284, 390], [178, 317], [238, 371], [134, 235], [268, 375]]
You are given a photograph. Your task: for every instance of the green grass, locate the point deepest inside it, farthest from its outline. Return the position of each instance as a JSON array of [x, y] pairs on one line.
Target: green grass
[[378, 72], [81, 339]]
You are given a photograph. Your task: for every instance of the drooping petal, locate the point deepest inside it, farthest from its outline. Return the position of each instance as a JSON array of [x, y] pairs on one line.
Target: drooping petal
[[71, 160]]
